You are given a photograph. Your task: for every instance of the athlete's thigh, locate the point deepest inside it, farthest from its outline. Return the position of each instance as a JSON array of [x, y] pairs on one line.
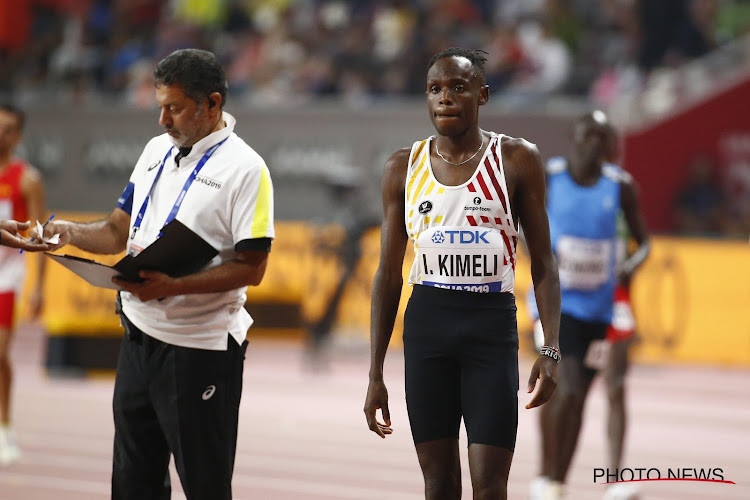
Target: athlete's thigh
[[489, 392], [432, 372]]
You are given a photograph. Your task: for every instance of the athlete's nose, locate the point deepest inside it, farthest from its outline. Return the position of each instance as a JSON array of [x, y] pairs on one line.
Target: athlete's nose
[[446, 97]]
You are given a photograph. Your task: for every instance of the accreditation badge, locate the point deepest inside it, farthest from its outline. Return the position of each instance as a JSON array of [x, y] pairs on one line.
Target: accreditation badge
[[135, 242]]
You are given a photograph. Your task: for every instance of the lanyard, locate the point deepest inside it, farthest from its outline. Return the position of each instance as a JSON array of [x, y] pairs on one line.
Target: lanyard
[[180, 197]]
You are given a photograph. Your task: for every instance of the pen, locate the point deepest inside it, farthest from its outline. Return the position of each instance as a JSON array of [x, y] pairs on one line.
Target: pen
[[43, 226]]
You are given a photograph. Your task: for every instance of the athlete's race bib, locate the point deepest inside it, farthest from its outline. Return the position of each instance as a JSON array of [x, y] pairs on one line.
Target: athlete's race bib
[[461, 258], [583, 264]]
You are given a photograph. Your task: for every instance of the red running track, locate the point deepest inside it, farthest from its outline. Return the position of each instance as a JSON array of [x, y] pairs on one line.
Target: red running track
[[303, 434]]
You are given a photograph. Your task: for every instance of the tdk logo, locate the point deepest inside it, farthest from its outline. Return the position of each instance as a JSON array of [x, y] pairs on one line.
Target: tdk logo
[[463, 237]]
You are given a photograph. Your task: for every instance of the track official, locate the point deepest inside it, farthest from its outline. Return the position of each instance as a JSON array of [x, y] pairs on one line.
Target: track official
[[179, 373]]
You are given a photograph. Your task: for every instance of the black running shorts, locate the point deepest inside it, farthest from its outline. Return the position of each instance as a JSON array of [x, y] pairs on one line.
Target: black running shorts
[[461, 357], [576, 336]]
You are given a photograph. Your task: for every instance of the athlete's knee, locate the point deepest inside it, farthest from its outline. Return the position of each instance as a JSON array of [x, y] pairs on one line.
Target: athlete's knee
[[497, 489], [570, 395], [442, 487]]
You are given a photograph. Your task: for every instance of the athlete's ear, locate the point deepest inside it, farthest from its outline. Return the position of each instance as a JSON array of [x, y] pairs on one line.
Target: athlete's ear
[[484, 94]]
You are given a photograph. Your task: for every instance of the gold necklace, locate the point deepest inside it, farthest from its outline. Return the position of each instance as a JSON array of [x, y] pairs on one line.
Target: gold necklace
[[466, 160]]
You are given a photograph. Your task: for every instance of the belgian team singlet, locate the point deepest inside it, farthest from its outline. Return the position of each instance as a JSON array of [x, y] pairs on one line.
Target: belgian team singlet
[[463, 236]]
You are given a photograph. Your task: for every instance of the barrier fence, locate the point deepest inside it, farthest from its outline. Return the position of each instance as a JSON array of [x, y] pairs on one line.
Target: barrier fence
[[691, 298]]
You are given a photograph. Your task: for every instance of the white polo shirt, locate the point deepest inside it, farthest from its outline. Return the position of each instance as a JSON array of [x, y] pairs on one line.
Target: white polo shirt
[[230, 201]]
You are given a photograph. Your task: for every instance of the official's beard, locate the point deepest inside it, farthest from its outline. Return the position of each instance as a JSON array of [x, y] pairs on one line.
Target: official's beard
[[179, 140]]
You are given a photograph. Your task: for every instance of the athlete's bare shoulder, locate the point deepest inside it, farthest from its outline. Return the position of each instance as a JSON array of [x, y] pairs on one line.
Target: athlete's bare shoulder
[[521, 161], [31, 179], [399, 159], [518, 150], [31, 173], [394, 174]]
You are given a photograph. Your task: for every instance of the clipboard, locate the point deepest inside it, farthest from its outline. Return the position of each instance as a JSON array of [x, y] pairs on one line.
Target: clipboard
[[93, 272], [178, 252]]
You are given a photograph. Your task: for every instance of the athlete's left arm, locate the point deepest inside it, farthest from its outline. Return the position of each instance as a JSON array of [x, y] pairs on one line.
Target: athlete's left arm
[[32, 187], [636, 225], [245, 269], [529, 203]]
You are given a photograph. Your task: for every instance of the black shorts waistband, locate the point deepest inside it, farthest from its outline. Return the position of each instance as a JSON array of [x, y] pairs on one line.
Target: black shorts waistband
[[444, 296]]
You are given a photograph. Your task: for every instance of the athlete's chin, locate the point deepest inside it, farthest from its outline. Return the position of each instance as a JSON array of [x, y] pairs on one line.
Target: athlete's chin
[[448, 127]]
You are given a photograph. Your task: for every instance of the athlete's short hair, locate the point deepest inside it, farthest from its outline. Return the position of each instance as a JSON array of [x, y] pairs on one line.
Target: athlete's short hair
[[15, 110], [473, 55], [198, 72]]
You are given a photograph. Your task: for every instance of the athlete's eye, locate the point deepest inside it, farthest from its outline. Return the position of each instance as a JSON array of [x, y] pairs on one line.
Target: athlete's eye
[[434, 89], [458, 88]]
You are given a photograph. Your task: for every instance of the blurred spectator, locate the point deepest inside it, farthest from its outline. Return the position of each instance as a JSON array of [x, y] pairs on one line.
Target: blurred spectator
[[547, 62], [507, 55], [700, 206], [355, 50], [732, 20], [670, 32]]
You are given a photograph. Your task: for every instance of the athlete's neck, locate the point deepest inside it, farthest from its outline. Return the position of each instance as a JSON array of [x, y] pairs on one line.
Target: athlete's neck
[[454, 147], [585, 174]]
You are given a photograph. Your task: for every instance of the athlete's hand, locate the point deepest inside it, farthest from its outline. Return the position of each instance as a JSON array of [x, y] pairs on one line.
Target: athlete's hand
[[544, 370], [377, 398], [155, 285], [9, 237]]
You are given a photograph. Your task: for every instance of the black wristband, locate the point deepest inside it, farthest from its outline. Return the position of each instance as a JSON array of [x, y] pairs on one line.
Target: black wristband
[[551, 352]]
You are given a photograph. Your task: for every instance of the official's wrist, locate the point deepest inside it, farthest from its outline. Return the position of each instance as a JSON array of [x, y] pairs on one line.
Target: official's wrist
[[551, 352]]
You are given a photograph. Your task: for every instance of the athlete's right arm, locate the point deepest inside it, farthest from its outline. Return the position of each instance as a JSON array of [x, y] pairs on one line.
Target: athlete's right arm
[[386, 287], [107, 236]]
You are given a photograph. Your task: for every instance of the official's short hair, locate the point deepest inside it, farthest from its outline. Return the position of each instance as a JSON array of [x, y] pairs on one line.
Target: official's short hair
[[198, 72], [15, 110], [473, 55]]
